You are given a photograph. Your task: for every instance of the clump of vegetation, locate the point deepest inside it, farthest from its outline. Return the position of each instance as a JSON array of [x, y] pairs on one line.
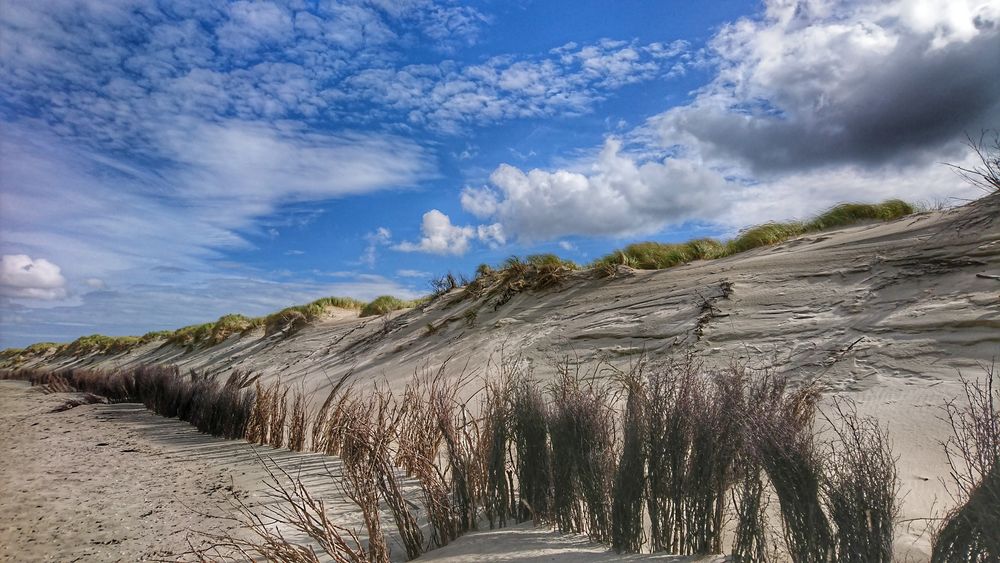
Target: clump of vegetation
[[228, 325], [385, 304], [16, 356], [155, 335], [658, 256], [767, 234], [851, 213], [581, 431], [971, 532], [291, 319], [100, 344], [690, 447], [192, 336], [535, 272]]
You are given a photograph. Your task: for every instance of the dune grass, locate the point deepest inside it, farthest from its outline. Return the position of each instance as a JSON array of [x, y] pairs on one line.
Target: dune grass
[[516, 274], [100, 344], [192, 336], [385, 304], [291, 319], [658, 256]]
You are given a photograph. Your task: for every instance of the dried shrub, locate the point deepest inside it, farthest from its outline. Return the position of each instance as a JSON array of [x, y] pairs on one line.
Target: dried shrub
[[783, 441], [296, 508], [971, 532], [533, 454], [627, 535], [861, 487], [581, 430], [499, 502], [297, 428]]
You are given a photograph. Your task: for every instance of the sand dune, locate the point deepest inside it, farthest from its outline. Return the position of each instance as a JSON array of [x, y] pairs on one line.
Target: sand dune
[[888, 315]]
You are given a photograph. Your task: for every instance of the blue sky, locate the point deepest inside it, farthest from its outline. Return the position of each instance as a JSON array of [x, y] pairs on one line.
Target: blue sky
[[164, 163]]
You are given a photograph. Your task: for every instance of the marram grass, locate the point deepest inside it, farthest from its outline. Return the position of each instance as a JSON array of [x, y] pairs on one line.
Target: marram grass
[[658, 256]]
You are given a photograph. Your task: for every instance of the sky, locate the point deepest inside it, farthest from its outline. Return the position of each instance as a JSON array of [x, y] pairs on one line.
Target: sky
[[164, 163]]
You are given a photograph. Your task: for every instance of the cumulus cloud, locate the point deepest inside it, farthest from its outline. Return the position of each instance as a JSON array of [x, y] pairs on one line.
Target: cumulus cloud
[[440, 236], [618, 195], [812, 104], [31, 278], [818, 83]]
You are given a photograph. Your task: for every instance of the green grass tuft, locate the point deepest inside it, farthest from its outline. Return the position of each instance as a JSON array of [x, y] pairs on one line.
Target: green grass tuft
[[386, 304], [228, 325], [192, 336], [763, 235], [100, 344], [852, 213], [295, 317], [658, 256]]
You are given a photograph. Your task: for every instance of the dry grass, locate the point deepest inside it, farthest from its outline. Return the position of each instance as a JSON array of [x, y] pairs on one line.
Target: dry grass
[[386, 304], [581, 430], [861, 479], [533, 453], [669, 443], [628, 493], [290, 319], [295, 508], [783, 442], [971, 532], [515, 275]]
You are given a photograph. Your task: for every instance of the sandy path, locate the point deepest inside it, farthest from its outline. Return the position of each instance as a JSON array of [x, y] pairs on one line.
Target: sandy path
[[118, 483], [84, 485]]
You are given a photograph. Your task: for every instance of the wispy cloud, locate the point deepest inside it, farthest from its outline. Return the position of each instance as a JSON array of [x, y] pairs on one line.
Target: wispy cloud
[[568, 80]]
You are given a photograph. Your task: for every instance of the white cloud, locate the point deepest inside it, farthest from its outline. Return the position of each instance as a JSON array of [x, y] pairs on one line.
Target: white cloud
[[813, 84], [413, 274], [570, 80], [95, 283], [618, 195], [439, 236], [813, 104], [379, 237], [23, 277], [492, 235]]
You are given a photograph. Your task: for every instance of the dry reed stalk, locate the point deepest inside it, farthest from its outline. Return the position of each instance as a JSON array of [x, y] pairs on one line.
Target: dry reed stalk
[[387, 417], [861, 488], [279, 415], [361, 475], [669, 441], [297, 428], [295, 508], [971, 532], [627, 533], [783, 439], [533, 455], [260, 416], [499, 502], [581, 430]]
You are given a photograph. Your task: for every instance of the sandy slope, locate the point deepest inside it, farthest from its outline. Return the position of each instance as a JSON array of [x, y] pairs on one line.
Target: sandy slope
[[886, 314], [858, 306]]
